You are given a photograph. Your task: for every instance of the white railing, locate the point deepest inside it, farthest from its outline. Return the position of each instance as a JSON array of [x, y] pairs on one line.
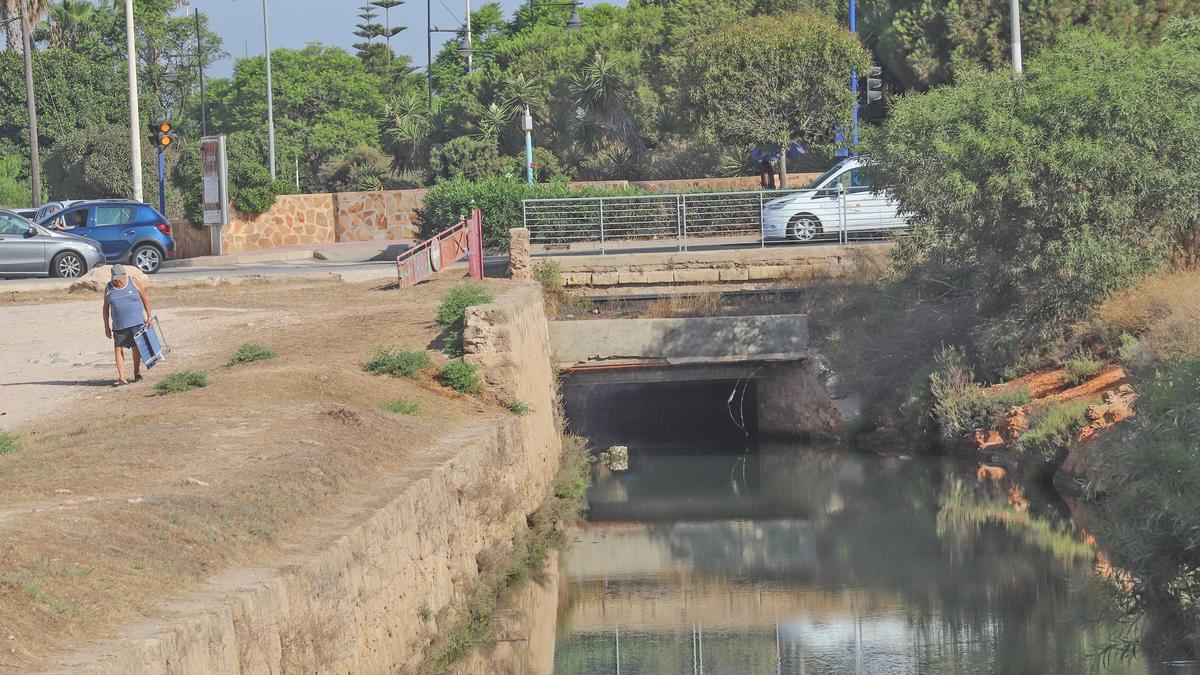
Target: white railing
[[710, 219]]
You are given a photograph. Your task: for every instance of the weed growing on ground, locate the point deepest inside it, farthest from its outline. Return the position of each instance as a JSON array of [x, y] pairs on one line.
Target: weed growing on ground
[[179, 382], [9, 443], [402, 406], [1053, 428], [461, 376], [545, 531], [518, 407], [250, 352], [1011, 398], [453, 309], [1080, 368], [401, 363], [957, 402], [1132, 350], [456, 301]]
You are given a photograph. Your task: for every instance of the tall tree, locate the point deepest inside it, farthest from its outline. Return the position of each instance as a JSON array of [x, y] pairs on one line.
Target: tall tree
[[769, 80]]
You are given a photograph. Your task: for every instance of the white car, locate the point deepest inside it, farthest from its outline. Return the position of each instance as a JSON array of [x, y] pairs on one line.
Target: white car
[[816, 211]]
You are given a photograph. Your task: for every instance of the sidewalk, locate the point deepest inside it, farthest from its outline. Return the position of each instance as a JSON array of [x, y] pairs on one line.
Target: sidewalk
[[349, 251]]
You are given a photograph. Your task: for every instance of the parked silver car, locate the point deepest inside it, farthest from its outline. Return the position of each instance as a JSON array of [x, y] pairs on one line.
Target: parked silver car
[[29, 250], [841, 199]]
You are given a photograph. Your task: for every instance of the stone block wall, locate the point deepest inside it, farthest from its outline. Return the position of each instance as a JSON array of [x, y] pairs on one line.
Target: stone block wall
[[294, 219], [387, 214]]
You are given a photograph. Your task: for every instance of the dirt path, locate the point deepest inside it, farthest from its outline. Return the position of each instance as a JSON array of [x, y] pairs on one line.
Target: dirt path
[[120, 500], [54, 358]]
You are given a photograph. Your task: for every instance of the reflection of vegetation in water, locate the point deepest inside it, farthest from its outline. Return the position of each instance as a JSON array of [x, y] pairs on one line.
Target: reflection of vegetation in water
[[965, 509]]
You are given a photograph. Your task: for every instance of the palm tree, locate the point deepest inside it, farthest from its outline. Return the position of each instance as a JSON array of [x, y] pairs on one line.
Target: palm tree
[[70, 20], [601, 94], [492, 120], [407, 129], [10, 15]]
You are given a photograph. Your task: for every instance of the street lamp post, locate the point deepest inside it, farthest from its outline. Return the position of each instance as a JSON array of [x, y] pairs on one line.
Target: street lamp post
[[200, 67], [135, 123], [573, 23], [35, 162], [1015, 20], [270, 98], [465, 49]]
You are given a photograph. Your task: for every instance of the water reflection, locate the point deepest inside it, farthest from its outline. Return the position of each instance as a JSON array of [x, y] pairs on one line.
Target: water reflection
[[808, 560]]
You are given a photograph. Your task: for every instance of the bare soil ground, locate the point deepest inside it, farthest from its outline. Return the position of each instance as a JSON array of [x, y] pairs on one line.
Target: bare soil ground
[[120, 500]]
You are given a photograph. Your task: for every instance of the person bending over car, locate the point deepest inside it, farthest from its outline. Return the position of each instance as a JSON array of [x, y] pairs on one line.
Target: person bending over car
[[128, 307]]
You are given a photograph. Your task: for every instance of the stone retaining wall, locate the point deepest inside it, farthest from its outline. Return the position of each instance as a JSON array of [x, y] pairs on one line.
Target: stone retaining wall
[[775, 264], [373, 599]]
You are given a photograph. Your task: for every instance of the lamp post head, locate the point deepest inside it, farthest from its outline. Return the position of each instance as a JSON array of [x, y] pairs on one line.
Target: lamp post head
[[170, 74], [465, 50], [574, 23]]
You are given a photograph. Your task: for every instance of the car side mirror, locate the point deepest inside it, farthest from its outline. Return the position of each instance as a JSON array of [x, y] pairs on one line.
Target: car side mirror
[[31, 232]]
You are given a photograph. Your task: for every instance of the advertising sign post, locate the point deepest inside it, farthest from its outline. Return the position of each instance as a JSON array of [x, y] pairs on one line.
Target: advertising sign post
[[216, 190]]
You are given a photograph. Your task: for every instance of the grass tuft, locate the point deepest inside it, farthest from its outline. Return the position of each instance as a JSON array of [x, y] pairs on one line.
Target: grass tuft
[[400, 363], [250, 352], [179, 382], [1080, 368], [1012, 398], [518, 407], [1053, 429], [461, 376], [9, 443], [402, 406], [457, 300]]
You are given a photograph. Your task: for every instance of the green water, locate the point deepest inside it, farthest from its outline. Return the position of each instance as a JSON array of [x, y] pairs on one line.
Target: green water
[[802, 560]]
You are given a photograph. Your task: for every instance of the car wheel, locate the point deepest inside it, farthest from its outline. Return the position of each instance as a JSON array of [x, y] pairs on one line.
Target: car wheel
[[146, 258], [803, 228], [68, 265]]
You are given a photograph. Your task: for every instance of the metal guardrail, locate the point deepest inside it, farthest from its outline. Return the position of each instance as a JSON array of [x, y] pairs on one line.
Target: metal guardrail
[[762, 218]]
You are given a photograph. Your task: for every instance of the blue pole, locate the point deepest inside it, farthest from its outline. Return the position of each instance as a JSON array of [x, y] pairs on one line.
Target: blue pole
[[162, 186], [854, 79], [528, 146]]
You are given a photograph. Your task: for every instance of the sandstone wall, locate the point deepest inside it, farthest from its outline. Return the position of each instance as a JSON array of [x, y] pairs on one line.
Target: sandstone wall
[[772, 265], [371, 600], [388, 214]]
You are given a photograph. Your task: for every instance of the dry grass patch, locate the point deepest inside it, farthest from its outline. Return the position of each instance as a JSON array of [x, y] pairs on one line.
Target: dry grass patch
[[706, 303], [1161, 312]]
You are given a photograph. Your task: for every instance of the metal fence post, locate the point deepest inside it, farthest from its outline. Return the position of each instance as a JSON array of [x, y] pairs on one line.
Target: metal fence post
[[682, 209], [762, 220], [600, 200], [842, 212]]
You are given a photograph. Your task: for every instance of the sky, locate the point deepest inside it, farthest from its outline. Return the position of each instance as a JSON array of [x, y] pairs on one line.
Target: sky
[[295, 23]]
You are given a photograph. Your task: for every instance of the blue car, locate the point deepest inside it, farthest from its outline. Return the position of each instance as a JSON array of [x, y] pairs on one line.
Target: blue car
[[128, 232]]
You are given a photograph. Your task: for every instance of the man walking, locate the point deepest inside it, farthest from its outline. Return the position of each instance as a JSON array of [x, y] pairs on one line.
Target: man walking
[[126, 310]]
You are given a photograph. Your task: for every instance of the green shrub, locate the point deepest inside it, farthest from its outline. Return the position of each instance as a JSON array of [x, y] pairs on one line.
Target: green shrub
[[401, 362], [9, 443], [1080, 368], [1053, 428], [518, 407], [402, 406], [500, 199], [959, 405], [456, 301], [1132, 350], [465, 158], [179, 382], [250, 352], [548, 273], [461, 376]]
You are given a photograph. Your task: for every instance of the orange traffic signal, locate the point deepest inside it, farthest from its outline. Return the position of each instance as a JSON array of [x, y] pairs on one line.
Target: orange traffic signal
[[162, 134]]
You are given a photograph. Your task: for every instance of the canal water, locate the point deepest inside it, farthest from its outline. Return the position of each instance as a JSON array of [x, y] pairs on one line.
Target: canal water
[[793, 558]]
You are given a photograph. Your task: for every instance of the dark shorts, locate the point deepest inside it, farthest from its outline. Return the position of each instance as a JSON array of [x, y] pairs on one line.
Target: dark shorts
[[124, 337]]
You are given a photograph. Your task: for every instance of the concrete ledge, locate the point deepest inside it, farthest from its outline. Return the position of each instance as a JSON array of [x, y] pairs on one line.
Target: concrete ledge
[[250, 258], [700, 340]]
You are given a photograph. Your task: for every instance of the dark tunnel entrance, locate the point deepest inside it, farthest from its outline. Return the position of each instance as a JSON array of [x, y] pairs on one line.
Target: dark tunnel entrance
[[701, 416]]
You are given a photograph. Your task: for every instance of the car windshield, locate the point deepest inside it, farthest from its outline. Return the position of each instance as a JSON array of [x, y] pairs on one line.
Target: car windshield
[[825, 176]]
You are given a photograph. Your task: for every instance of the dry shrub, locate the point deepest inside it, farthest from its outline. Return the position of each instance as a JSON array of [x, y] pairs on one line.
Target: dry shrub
[[706, 303], [1160, 310]]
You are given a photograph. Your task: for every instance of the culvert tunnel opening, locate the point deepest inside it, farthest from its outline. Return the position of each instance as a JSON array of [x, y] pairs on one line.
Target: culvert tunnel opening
[[702, 417]]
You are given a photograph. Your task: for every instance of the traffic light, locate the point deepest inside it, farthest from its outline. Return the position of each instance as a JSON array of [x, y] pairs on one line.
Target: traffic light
[[162, 134], [874, 88]]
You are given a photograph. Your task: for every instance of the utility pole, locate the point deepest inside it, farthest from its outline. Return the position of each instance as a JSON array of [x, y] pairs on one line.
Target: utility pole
[[470, 49], [429, 51], [854, 79], [135, 123], [1015, 18], [528, 145], [270, 100], [35, 163], [200, 67]]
